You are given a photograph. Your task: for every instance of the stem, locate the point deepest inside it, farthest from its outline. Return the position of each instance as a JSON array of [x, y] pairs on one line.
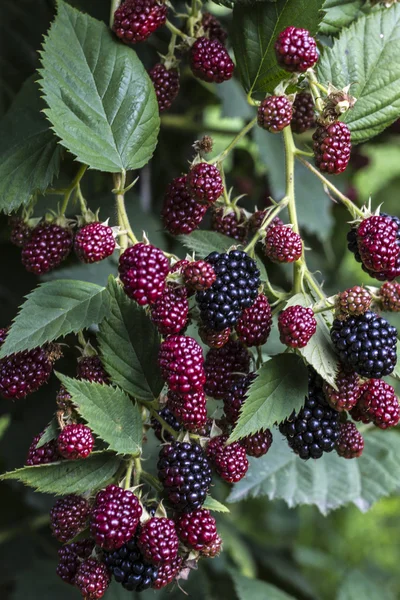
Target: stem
[[114, 5], [235, 141], [123, 220], [314, 85], [290, 152], [138, 470], [259, 357], [151, 480], [351, 207], [177, 31], [128, 475], [70, 189], [163, 423], [268, 219], [314, 285], [82, 201]]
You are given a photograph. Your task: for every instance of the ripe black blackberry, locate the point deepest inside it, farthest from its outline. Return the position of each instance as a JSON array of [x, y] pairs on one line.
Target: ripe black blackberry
[[274, 113], [235, 288], [232, 223], [303, 113], [366, 343], [166, 85], [224, 366], [315, 428], [162, 434], [185, 474]]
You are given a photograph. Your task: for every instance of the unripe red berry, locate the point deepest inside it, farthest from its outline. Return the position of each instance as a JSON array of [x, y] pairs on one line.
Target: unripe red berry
[[92, 579], [254, 326], [332, 146], [303, 113], [91, 369], [142, 270], [68, 517], [232, 223], [23, 373], [296, 325], [230, 461], [257, 444], [197, 529], [47, 453], [136, 20], [167, 572], [214, 339], [274, 113], [352, 302], [282, 244], [181, 212], [296, 50], [379, 403], [199, 275], [224, 366], [48, 245], [166, 85], [181, 362], [190, 409], [210, 61], [204, 182], [158, 540], [170, 311], [377, 243], [213, 28], [390, 296], [348, 392], [350, 443], [75, 441], [94, 242]]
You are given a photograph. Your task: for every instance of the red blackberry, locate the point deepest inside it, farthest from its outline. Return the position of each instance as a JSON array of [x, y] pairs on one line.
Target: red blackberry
[[379, 403], [234, 398], [3, 335], [389, 296], [142, 270], [232, 223], [282, 244], [166, 85], [75, 441], [235, 289], [214, 339], [158, 541], [190, 409], [180, 265], [115, 517], [210, 61], [350, 443], [274, 113], [348, 392], [197, 529], [20, 231], [254, 325], [303, 113], [257, 444], [181, 212], [257, 218], [366, 344], [213, 549], [167, 573], [63, 399], [181, 362], [230, 462], [92, 579], [377, 243], [185, 474], [296, 50], [129, 568], [68, 517], [199, 275], [47, 453], [296, 325], [159, 431], [94, 242], [204, 182], [224, 366], [213, 28], [136, 20], [68, 559], [47, 247], [332, 147], [352, 302], [358, 415], [170, 311], [91, 369], [23, 373]]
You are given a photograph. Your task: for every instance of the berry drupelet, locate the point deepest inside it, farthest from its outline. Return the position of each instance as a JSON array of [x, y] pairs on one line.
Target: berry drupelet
[[181, 212], [129, 568], [350, 443], [91, 369], [303, 113], [94, 242], [181, 362], [158, 541], [92, 579], [47, 453], [348, 390], [23, 373], [162, 434], [352, 302], [296, 50], [210, 61], [296, 325], [389, 296], [213, 28], [166, 85], [70, 557], [190, 409], [48, 245], [136, 20], [257, 444], [274, 113], [230, 461], [254, 325], [142, 270], [75, 441], [199, 275], [234, 398], [204, 183], [230, 222], [282, 244], [332, 146], [170, 311], [197, 529], [224, 366], [167, 572], [379, 403], [68, 517]]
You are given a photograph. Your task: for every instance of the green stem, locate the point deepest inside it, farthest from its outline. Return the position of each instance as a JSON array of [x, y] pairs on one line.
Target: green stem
[[290, 152], [324, 309], [235, 141], [82, 201], [177, 31], [163, 423], [71, 188], [312, 284], [259, 357], [313, 83], [271, 216], [151, 480], [138, 470], [123, 220], [114, 5], [128, 475]]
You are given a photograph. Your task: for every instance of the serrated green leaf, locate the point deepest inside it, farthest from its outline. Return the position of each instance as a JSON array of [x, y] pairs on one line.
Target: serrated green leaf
[[213, 504], [109, 412], [129, 345], [341, 13], [29, 153], [254, 32], [361, 56], [102, 104], [50, 433], [278, 390], [329, 482], [360, 584], [53, 310], [257, 590], [69, 476]]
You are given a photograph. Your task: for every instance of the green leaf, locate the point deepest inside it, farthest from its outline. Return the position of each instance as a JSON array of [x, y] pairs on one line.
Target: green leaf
[[278, 390], [104, 110], [383, 167], [254, 32], [213, 504], [69, 476], [329, 482], [109, 412], [340, 14], [257, 590], [360, 584], [129, 345], [361, 56], [29, 153], [53, 310], [5, 422], [50, 433]]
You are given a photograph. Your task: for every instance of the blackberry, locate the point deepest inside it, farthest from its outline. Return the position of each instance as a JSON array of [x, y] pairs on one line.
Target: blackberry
[[230, 461], [315, 429], [230, 222], [204, 183], [379, 403], [224, 366], [213, 28], [214, 339], [190, 409], [282, 244], [254, 325], [69, 559], [170, 311], [166, 85], [91, 369], [136, 20], [63, 399], [181, 212], [350, 443], [142, 270], [213, 549], [332, 146], [296, 50], [366, 343], [23, 373], [377, 243], [389, 296], [274, 113], [20, 231], [296, 325], [68, 517], [197, 529], [169, 418], [210, 61], [235, 397], [167, 573], [185, 474], [257, 444], [235, 289], [181, 362], [48, 245], [75, 441], [257, 218], [199, 275], [94, 242], [47, 453], [92, 579], [115, 517], [303, 113], [352, 302], [348, 392], [158, 541]]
